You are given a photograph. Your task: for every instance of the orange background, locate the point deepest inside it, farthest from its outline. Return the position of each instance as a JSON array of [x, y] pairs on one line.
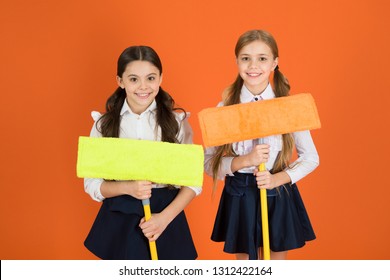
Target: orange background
[[58, 63]]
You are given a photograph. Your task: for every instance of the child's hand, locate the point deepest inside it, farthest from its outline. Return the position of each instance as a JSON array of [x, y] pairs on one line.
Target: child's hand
[[154, 227], [259, 154], [139, 189], [265, 180]]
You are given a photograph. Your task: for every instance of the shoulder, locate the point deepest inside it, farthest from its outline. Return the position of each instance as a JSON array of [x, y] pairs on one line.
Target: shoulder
[[96, 115], [220, 104], [185, 130], [181, 116], [95, 131]]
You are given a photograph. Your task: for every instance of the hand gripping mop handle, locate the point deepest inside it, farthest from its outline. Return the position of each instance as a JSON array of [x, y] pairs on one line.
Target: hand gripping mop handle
[[148, 215]]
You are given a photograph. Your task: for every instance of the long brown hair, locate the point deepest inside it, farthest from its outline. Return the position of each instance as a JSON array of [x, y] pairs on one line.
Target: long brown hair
[[109, 123], [281, 88]]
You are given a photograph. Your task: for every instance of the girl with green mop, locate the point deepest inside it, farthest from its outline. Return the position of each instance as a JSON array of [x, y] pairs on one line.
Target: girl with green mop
[[140, 109]]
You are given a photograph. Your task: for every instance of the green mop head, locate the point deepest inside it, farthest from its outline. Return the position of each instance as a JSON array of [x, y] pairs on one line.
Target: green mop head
[[129, 159]]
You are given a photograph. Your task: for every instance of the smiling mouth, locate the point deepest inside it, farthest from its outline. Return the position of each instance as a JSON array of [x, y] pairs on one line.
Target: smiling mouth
[[253, 75], [143, 95]]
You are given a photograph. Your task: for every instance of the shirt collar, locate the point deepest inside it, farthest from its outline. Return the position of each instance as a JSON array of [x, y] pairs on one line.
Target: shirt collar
[[126, 108], [246, 96]]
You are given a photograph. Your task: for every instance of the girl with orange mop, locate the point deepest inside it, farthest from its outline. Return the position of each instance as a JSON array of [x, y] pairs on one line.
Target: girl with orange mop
[[140, 109], [238, 220]]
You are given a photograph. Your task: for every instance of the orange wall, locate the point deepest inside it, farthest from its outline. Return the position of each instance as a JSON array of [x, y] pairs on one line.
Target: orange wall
[[57, 63]]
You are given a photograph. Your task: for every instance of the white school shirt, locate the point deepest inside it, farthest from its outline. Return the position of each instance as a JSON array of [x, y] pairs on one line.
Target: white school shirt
[[142, 127], [306, 162]]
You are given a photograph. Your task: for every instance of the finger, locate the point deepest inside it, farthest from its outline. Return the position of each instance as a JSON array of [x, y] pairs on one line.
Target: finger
[[262, 180], [147, 188], [154, 237], [148, 226], [264, 149], [145, 193], [261, 174], [151, 234], [266, 146], [142, 197], [145, 227], [148, 234], [147, 183]]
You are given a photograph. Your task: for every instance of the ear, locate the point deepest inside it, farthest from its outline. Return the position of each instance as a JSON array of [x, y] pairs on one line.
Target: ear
[[161, 78], [119, 82], [276, 62]]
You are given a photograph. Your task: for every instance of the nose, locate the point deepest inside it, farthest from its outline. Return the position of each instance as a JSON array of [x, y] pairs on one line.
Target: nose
[[143, 84], [253, 64]]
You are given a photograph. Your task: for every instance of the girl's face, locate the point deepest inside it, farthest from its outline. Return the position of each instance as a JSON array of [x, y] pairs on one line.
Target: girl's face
[[255, 63], [141, 80]]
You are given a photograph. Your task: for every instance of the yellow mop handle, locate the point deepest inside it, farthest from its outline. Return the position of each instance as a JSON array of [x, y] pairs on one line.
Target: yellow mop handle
[[148, 215], [264, 219]]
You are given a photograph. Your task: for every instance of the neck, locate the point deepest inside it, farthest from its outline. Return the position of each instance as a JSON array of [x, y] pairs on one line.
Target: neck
[[256, 90], [136, 108]]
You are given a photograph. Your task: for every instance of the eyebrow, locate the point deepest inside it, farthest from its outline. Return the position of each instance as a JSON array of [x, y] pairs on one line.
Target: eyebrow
[[260, 54], [148, 75]]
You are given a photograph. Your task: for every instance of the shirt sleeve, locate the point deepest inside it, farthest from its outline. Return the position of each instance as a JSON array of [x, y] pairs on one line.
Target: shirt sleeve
[[308, 158], [225, 167], [185, 137], [92, 185]]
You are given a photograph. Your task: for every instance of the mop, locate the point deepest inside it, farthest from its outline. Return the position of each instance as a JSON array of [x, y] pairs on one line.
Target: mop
[[129, 159], [239, 122]]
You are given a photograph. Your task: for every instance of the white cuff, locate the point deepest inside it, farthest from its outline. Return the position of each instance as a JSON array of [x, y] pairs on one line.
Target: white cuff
[[197, 190]]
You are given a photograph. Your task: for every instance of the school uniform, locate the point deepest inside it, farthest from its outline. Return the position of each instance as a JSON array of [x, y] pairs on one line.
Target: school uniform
[[115, 233], [238, 219]]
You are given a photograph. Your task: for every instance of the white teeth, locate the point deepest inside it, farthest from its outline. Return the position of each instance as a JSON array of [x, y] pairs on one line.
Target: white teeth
[[142, 94], [253, 74]]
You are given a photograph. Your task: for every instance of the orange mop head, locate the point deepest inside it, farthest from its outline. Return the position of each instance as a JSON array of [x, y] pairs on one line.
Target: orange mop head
[[228, 124]]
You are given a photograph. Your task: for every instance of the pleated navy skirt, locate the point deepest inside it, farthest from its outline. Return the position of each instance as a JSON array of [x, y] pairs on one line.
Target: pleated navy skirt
[[238, 220], [116, 235]]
